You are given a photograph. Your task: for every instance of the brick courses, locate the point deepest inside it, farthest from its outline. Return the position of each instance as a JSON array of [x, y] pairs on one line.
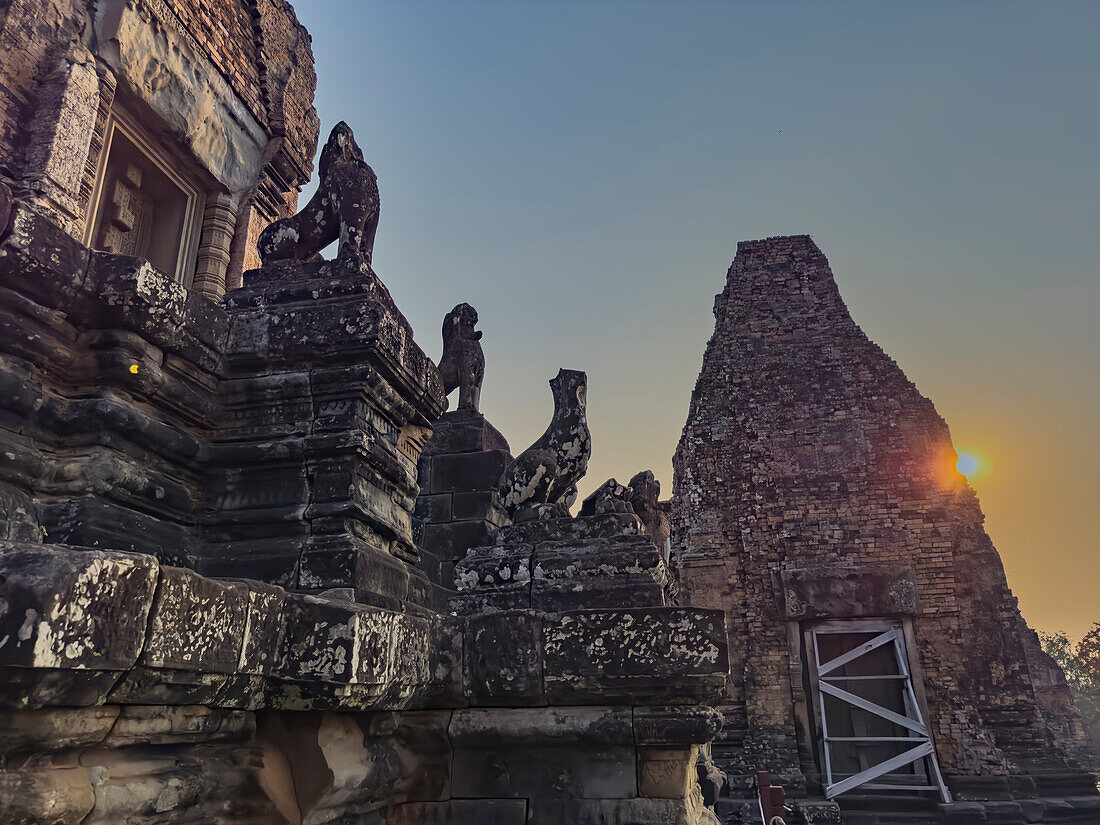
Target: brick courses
[[805, 444]]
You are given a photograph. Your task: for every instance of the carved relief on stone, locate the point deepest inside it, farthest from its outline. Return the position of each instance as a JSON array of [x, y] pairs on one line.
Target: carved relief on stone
[[462, 365], [345, 208], [541, 481], [126, 228]]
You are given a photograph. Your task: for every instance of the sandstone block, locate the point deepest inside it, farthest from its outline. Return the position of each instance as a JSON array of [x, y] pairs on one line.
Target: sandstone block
[[64, 608], [60, 794], [464, 431], [618, 812], [654, 655], [196, 623], [543, 752], [54, 729], [462, 472], [451, 541], [41, 261], [503, 659], [459, 812]]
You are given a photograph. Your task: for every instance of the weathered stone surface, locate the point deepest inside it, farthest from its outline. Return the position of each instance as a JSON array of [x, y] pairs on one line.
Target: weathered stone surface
[[450, 541], [471, 455], [353, 764], [59, 794], [568, 529], [27, 732], [654, 655], [464, 431], [40, 260], [574, 566], [543, 752], [496, 567], [263, 629], [460, 472], [848, 591], [61, 608], [625, 571], [675, 725], [621, 812], [321, 638], [187, 784], [158, 725], [459, 812], [503, 659], [196, 623]]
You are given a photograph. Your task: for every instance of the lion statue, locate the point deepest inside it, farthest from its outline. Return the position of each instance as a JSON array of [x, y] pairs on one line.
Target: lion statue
[[344, 207], [462, 365], [645, 502], [542, 481], [609, 497]]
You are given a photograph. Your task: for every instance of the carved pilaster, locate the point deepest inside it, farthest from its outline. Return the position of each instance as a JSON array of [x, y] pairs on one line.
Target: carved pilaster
[[218, 224], [62, 137]]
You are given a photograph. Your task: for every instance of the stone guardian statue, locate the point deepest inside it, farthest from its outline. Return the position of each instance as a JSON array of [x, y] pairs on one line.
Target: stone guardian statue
[[462, 365], [542, 481], [344, 207]]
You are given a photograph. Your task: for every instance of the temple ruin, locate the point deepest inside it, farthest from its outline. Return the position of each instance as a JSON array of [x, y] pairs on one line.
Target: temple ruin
[[255, 571]]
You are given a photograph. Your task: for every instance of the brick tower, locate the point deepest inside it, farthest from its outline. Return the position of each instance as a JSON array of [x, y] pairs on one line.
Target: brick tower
[[816, 500]]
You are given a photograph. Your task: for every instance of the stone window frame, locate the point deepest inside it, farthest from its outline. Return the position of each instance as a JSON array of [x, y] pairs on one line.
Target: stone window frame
[[170, 165]]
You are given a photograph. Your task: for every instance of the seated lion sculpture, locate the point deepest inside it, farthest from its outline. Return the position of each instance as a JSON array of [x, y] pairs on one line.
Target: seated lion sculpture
[[462, 365], [344, 207], [542, 481]]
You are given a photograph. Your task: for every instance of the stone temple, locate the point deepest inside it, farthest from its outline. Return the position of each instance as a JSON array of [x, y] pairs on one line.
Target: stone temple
[[254, 572]]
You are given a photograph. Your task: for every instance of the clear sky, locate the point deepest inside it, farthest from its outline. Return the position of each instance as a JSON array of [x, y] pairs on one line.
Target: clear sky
[[581, 173]]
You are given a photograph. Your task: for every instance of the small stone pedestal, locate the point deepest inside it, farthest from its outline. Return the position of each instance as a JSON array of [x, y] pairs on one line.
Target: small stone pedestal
[[458, 473], [326, 401]]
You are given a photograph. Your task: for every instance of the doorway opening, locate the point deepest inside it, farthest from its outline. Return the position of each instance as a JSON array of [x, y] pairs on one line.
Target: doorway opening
[[872, 733]]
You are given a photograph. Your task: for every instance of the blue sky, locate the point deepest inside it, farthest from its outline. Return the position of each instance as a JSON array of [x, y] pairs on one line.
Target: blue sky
[[581, 173]]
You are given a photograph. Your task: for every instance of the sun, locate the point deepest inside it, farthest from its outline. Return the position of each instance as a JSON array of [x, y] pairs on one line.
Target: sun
[[968, 464]]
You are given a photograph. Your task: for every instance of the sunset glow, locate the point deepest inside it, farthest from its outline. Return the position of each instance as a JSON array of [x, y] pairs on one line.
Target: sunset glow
[[967, 464], [973, 464]]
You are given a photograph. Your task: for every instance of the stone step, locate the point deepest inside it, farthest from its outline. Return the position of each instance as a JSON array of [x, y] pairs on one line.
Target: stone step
[[885, 818], [888, 809]]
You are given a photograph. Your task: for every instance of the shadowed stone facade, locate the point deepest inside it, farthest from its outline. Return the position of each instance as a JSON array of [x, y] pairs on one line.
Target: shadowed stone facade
[[251, 573], [214, 602]]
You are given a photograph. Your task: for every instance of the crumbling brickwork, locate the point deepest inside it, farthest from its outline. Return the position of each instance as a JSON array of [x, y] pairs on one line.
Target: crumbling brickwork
[[225, 87], [224, 31], [806, 445]]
